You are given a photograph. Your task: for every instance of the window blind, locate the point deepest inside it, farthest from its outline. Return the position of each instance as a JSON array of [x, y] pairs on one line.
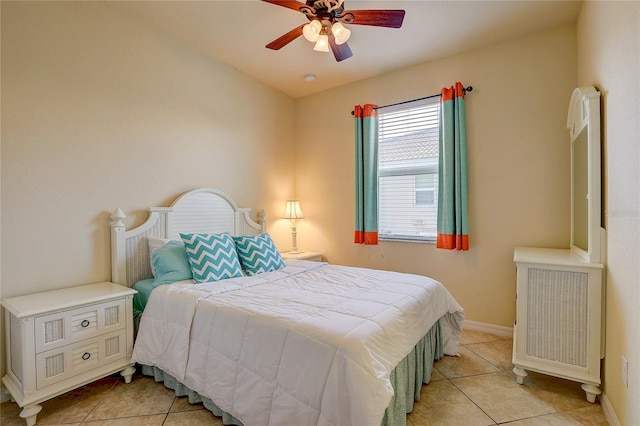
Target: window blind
[[408, 170]]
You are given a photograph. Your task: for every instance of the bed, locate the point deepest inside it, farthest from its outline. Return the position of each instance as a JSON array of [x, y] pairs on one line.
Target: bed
[[293, 342]]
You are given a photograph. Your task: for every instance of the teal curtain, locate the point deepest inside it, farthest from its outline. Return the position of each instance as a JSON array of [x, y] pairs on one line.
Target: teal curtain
[[453, 225], [366, 142]]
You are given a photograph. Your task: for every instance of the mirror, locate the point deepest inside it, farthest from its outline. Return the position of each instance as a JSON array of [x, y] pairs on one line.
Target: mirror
[[583, 122]]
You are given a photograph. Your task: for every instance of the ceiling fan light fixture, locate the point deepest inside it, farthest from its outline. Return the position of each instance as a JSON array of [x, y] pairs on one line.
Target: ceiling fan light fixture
[[326, 24], [340, 33], [311, 31], [322, 44]]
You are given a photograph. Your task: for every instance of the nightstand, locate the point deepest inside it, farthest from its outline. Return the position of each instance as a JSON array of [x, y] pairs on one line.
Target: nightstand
[[303, 255], [60, 340]]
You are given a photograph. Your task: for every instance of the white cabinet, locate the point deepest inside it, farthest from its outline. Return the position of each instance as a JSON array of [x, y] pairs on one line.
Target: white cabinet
[[560, 293], [60, 340], [559, 315]]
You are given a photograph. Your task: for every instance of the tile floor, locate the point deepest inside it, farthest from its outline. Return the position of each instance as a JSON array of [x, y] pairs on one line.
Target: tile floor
[[477, 388]]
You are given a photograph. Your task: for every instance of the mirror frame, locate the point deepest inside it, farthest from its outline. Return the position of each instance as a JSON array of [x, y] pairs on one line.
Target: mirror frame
[[584, 112]]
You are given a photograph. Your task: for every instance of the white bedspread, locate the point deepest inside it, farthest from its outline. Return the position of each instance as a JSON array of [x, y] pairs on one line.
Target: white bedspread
[[309, 344]]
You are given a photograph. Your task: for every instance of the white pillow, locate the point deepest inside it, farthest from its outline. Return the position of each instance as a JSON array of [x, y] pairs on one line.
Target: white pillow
[[155, 244]]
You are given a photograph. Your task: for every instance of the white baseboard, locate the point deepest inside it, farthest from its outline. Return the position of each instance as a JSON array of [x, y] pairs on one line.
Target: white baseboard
[[498, 330], [612, 419]]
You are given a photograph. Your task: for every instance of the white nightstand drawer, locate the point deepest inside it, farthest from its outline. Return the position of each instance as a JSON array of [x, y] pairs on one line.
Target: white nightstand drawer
[[66, 327], [61, 363]]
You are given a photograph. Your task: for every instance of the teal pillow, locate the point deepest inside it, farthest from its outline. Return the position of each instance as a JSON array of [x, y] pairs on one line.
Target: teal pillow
[[258, 254], [212, 257], [171, 263]]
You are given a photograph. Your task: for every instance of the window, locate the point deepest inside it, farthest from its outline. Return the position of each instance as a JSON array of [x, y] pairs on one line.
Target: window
[[408, 171]]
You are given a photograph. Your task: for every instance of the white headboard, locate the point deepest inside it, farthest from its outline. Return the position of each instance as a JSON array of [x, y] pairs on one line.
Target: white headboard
[[201, 210]]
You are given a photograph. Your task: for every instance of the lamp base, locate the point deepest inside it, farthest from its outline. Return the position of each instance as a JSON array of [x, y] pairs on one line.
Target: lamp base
[[295, 251]]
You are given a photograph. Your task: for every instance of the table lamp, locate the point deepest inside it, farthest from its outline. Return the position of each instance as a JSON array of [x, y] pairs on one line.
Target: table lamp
[[292, 211]]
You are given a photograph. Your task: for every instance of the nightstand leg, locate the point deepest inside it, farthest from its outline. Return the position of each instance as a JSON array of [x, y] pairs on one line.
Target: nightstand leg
[[30, 413], [127, 373]]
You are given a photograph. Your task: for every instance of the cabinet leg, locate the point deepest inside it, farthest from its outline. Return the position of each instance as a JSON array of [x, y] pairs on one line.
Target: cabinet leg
[[30, 413], [591, 391], [520, 374], [127, 373]]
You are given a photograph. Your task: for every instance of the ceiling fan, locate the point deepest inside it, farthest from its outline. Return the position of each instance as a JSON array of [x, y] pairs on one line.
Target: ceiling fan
[[325, 27]]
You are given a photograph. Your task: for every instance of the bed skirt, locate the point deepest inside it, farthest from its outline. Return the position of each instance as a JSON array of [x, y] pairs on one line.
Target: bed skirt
[[407, 379]]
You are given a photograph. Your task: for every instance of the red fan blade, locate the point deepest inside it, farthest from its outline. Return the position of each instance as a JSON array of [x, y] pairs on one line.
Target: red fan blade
[[285, 39], [340, 51], [291, 4], [377, 18]]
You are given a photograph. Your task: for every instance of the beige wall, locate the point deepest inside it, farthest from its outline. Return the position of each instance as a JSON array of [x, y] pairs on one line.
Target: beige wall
[[518, 166], [100, 111], [608, 35]]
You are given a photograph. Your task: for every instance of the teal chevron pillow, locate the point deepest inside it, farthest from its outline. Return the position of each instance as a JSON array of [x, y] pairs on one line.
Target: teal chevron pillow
[[212, 257], [258, 254]]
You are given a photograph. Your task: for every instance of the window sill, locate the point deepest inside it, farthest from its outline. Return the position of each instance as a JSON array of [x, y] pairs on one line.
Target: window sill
[[408, 240]]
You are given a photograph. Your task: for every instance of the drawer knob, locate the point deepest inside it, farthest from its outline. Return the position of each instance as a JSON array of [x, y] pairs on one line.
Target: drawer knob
[[86, 356], [84, 323]]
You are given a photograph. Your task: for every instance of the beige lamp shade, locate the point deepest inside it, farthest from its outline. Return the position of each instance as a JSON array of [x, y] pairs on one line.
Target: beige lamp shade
[[292, 210]]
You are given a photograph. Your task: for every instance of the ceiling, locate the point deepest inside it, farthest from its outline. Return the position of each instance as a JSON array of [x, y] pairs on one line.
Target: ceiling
[[236, 31]]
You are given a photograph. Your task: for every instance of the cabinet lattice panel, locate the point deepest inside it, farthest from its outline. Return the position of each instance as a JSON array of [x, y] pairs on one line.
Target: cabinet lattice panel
[[557, 324]]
